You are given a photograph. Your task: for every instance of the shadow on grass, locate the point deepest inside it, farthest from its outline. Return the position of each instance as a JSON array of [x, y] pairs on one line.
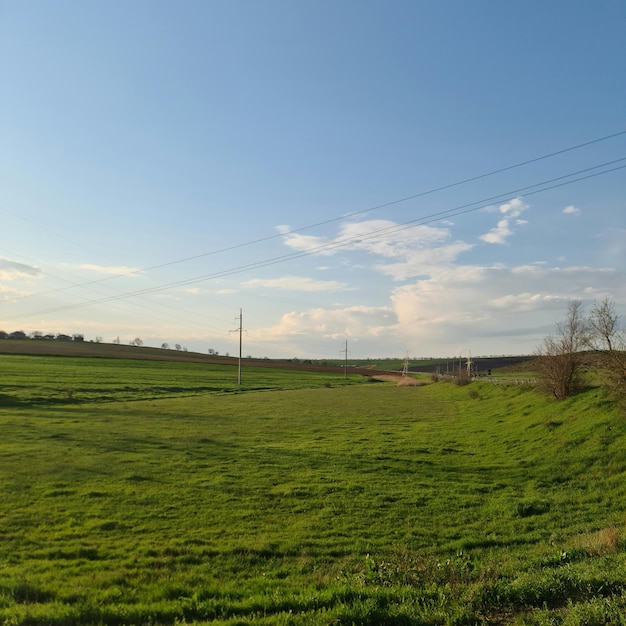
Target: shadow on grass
[[24, 403], [9, 401], [70, 399]]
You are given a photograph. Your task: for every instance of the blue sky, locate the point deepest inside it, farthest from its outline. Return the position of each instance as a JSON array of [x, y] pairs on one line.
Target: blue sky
[[165, 164]]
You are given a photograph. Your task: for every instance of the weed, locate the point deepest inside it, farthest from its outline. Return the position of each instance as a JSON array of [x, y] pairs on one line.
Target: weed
[[462, 379], [527, 509]]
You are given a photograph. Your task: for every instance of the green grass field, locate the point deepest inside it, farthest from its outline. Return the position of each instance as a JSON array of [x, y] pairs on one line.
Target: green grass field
[[137, 492]]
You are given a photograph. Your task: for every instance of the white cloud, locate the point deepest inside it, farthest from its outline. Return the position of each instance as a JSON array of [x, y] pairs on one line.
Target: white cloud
[[356, 321], [521, 301], [479, 308], [424, 261], [571, 210], [381, 237], [390, 239], [11, 269], [467, 303], [498, 234], [502, 231], [416, 250], [8, 294], [296, 283], [306, 243], [111, 270], [513, 207], [490, 308]]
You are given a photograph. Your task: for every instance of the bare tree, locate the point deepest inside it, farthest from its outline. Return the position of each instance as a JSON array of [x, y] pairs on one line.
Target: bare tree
[[137, 341], [608, 340], [560, 358], [165, 346]]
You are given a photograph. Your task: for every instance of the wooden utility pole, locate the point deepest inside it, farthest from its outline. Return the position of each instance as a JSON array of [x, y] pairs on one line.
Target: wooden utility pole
[[240, 331], [240, 343]]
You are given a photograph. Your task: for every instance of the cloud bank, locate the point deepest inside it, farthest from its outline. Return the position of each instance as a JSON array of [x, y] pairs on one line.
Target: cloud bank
[[441, 303]]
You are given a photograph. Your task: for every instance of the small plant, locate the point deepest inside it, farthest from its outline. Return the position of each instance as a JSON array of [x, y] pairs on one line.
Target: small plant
[[69, 394], [527, 509]]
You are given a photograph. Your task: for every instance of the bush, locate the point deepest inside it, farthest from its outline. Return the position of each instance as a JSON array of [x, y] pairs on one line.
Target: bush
[[463, 378]]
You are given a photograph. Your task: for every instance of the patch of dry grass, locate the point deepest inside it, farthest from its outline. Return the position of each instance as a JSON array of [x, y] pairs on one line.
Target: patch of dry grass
[[603, 541]]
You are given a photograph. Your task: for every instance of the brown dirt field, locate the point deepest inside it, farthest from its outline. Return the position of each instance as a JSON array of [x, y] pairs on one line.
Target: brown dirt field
[[42, 347]]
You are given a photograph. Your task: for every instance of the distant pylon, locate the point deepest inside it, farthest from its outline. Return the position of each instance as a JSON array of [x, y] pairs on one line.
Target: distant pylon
[[405, 369]]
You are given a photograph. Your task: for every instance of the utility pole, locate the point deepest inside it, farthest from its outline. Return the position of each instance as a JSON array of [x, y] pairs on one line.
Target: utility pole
[[240, 331], [240, 341]]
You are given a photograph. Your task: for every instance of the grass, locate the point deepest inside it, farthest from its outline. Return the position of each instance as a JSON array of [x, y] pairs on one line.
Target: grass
[[28, 380], [162, 493]]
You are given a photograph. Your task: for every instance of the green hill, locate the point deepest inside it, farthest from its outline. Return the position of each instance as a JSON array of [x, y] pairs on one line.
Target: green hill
[[159, 492]]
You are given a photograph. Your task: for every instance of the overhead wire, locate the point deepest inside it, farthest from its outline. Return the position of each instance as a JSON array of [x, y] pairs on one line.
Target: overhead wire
[[341, 217], [453, 212], [149, 307]]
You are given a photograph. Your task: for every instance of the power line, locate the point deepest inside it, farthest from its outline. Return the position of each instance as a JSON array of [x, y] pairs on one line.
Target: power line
[[342, 217], [111, 288], [460, 210]]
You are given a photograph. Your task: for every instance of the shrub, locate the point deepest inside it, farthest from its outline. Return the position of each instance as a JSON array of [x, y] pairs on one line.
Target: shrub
[[526, 509], [463, 379]]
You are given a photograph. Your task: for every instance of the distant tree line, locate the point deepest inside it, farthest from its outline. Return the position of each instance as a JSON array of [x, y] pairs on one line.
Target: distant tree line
[[78, 337], [20, 334]]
